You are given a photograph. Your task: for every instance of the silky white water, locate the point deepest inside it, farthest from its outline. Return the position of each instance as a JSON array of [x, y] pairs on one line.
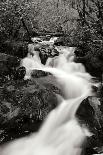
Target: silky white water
[[31, 61], [61, 133], [71, 76]]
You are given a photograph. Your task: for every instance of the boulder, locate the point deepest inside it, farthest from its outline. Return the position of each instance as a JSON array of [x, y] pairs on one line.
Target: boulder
[[14, 48], [90, 115], [46, 52], [23, 107], [38, 73]]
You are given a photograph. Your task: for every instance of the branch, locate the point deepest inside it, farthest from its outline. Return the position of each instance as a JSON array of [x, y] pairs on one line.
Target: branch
[[100, 10]]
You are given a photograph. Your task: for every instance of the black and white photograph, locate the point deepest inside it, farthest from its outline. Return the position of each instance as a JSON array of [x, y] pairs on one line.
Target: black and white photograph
[[51, 77]]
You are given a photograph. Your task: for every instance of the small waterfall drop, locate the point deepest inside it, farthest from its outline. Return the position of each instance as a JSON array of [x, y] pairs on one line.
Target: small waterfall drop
[[61, 133]]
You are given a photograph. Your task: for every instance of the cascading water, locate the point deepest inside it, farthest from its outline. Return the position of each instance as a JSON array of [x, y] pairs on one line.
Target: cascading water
[[71, 84], [65, 60], [75, 74], [31, 61], [60, 134]]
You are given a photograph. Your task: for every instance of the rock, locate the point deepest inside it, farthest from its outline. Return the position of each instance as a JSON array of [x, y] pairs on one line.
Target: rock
[[19, 73], [44, 50], [60, 41], [14, 48], [47, 51], [90, 115], [39, 73], [91, 55], [92, 64], [23, 107], [50, 83], [86, 113], [9, 68]]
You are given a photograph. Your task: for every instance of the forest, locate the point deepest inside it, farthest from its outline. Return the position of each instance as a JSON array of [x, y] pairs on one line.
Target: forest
[[79, 23]]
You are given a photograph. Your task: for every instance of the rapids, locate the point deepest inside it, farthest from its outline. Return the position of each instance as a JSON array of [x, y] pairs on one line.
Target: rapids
[[61, 133]]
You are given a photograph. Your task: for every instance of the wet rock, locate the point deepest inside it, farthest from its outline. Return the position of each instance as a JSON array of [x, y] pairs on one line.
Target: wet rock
[[39, 73], [89, 114], [60, 42], [92, 64], [86, 113], [46, 52], [23, 107]]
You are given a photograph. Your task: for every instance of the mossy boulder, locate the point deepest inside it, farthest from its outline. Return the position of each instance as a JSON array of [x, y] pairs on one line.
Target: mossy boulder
[[24, 105]]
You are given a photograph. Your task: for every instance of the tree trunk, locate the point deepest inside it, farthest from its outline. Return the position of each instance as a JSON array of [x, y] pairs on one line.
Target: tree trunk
[[83, 12]]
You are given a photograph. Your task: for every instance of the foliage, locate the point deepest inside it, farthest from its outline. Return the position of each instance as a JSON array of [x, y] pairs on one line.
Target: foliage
[[80, 20], [49, 15]]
